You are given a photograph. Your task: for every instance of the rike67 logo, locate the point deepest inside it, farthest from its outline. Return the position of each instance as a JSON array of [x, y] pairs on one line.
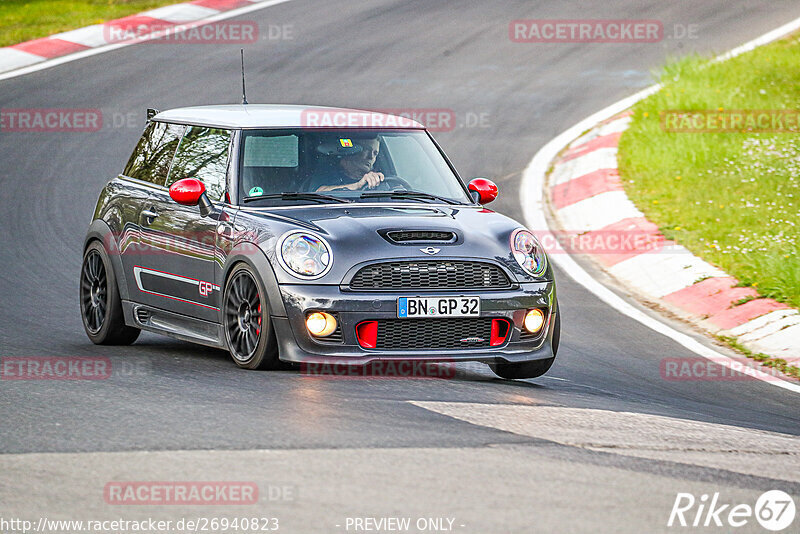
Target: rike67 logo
[[774, 510]]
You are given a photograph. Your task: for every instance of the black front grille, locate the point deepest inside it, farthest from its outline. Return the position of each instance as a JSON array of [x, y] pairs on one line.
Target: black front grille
[[430, 275], [402, 334], [419, 236]]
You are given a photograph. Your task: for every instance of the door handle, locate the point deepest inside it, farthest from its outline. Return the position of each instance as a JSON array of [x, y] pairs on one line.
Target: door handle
[[148, 216], [225, 230]]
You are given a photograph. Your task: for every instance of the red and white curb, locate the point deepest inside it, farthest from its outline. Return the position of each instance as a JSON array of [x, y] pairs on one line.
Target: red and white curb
[[589, 204], [191, 14], [535, 207]]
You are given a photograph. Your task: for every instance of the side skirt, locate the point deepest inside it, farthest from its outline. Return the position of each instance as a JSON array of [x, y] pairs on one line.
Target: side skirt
[[173, 324]]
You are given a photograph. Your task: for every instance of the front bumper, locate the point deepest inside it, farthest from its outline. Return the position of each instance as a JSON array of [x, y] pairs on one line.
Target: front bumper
[[352, 307]]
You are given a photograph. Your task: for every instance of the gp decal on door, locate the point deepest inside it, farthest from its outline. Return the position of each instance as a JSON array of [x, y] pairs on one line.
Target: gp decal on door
[[174, 286], [206, 288]]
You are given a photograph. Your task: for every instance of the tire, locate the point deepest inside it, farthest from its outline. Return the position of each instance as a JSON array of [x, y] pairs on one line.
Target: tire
[[556, 332], [101, 306], [534, 368], [249, 335]]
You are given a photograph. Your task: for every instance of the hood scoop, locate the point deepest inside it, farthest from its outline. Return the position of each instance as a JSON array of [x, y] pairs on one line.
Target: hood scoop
[[418, 237]]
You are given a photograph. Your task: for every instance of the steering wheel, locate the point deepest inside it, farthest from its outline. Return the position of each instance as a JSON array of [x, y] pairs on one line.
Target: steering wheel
[[388, 181]]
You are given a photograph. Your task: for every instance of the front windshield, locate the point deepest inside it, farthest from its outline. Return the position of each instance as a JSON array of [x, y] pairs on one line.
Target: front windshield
[[349, 164]]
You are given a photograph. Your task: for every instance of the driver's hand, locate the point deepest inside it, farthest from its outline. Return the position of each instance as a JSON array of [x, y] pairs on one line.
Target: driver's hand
[[370, 180]]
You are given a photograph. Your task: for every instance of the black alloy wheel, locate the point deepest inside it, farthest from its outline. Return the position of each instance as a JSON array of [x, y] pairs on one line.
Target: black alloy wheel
[[101, 306], [248, 330]]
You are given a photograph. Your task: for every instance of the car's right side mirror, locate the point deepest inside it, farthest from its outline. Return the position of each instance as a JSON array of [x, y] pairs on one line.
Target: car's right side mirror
[[482, 190]]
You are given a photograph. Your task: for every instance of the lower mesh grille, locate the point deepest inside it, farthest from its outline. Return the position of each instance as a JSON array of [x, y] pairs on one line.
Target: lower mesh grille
[[524, 335], [335, 337], [456, 333]]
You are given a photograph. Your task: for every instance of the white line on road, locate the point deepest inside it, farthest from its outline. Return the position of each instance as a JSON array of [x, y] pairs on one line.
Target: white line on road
[[654, 437], [532, 198], [101, 50]]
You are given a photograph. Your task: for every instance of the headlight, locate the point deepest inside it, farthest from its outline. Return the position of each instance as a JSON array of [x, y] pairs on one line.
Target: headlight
[[528, 252], [304, 255]]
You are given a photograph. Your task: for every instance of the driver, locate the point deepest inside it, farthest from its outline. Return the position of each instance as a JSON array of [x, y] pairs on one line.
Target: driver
[[352, 172]]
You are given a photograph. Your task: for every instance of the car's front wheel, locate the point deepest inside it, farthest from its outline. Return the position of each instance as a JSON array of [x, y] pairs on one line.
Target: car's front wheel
[[101, 307], [530, 369], [248, 329]]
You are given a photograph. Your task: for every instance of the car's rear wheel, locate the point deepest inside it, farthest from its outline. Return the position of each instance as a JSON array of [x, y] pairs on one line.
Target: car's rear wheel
[[248, 329], [530, 369], [101, 307]]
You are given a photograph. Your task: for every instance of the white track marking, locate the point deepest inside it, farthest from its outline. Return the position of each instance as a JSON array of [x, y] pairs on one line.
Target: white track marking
[[597, 212], [756, 325], [91, 36], [658, 274], [602, 158], [616, 126], [94, 51], [717, 446], [532, 198], [12, 57], [180, 13]]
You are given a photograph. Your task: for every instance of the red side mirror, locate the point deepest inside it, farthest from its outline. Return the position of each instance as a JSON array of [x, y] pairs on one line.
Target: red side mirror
[[486, 189], [187, 191]]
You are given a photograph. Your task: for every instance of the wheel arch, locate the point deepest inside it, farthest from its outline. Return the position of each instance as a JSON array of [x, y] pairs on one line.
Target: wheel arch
[[253, 256], [101, 232]]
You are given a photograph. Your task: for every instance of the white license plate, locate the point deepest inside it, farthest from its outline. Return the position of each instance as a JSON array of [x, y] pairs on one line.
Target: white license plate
[[438, 307]]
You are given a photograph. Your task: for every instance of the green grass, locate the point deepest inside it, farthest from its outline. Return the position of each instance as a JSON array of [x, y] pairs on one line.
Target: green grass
[[22, 20], [731, 198], [776, 363]]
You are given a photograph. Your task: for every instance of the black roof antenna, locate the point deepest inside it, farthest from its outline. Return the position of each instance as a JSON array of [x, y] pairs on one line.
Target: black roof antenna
[[244, 91]]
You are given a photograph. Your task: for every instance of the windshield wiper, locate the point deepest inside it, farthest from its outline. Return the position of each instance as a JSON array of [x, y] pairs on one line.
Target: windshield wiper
[[298, 196], [407, 194]]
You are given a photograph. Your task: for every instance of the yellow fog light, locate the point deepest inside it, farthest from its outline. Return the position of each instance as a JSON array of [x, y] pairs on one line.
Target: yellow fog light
[[321, 324], [534, 320]]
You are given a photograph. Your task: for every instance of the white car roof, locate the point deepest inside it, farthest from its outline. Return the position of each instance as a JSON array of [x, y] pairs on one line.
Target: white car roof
[[284, 116]]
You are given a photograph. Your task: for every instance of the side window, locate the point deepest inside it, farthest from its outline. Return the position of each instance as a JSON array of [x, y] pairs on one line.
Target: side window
[[203, 154], [153, 154]]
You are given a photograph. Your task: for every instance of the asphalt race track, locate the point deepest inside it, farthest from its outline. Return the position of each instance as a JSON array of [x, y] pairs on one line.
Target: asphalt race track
[[601, 443]]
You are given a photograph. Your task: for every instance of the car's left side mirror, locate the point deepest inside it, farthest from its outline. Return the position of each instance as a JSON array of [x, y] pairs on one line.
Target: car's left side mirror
[[191, 192], [482, 190]]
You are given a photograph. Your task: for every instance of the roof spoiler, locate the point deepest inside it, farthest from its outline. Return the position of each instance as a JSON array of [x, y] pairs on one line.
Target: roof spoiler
[[151, 112]]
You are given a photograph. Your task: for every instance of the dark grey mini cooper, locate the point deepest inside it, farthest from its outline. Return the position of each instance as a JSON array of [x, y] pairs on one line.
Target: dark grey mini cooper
[[315, 235]]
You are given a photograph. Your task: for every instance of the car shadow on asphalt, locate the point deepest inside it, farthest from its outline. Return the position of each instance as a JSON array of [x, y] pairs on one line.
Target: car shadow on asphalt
[[156, 352]]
